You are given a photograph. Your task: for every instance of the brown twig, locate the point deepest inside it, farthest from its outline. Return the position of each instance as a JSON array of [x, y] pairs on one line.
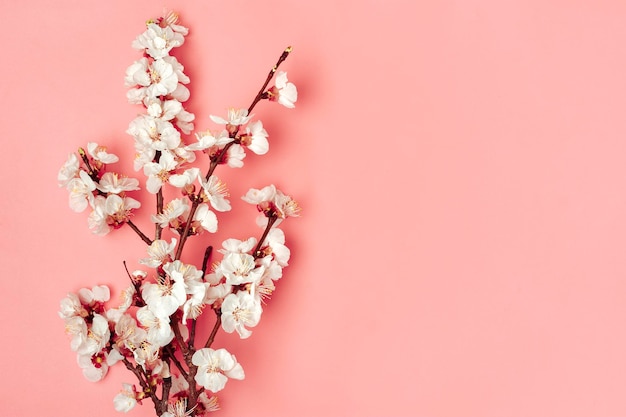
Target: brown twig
[[139, 232]]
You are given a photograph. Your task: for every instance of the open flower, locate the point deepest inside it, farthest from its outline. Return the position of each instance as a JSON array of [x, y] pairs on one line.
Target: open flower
[[284, 92], [236, 117], [215, 367], [126, 400], [68, 171], [239, 311]]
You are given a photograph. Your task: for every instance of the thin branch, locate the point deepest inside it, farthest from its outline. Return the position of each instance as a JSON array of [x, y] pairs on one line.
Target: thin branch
[[139, 232], [142, 378], [216, 326], [270, 223], [259, 96], [205, 261], [174, 359], [159, 210]]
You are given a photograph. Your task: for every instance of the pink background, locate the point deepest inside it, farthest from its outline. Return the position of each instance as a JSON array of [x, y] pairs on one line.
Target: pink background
[[461, 169]]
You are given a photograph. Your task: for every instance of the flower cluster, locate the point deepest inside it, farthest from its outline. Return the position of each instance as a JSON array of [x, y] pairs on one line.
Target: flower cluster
[[153, 331]]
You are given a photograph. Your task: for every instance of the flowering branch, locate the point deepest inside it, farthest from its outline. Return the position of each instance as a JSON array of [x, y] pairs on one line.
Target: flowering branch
[[153, 331]]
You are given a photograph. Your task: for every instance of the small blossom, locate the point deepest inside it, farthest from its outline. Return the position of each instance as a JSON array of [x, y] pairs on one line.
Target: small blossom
[[126, 400], [284, 92], [215, 367], [160, 252], [100, 154], [164, 297], [159, 172], [172, 215], [114, 183], [205, 218], [272, 202], [240, 311], [159, 332], [110, 213], [255, 138], [158, 41], [216, 192], [184, 179], [240, 268], [236, 117], [81, 192], [68, 171]]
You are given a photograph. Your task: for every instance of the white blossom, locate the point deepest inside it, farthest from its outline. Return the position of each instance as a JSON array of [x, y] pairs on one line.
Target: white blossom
[[240, 311], [114, 183], [126, 399], [236, 117], [158, 41], [68, 171], [216, 192], [255, 138], [81, 192], [284, 92], [100, 154], [215, 367], [159, 331]]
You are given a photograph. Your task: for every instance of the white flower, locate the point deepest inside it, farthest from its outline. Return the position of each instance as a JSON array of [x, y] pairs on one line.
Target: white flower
[[113, 183], [100, 154], [110, 213], [98, 335], [236, 117], [95, 367], [68, 171], [275, 240], [137, 74], [272, 202], [178, 69], [97, 294], [240, 268], [71, 307], [128, 335], [181, 93], [166, 109], [254, 196], [147, 354], [235, 156], [184, 179], [184, 121], [186, 273], [238, 246], [76, 327], [159, 253], [215, 367], [218, 289], [178, 409], [159, 332], [207, 139], [284, 92], [239, 311], [172, 214], [207, 404], [255, 138], [81, 192], [194, 305], [205, 218], [126, 399], [163, 79], [158, 41], [216, 192], [154, 133], [159, 172], [164, 297]]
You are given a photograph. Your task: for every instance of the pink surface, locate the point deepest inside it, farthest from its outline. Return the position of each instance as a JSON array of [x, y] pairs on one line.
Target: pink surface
[[461, 169]]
